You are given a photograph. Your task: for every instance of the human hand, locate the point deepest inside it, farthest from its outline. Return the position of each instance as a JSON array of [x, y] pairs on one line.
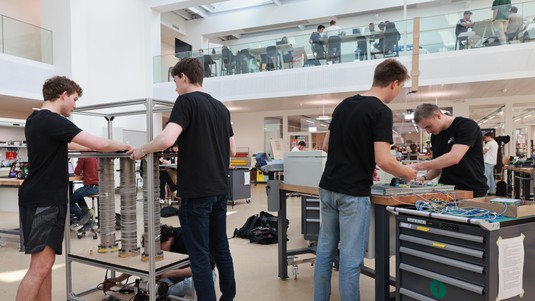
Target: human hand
[[136, 153], [410, 172]]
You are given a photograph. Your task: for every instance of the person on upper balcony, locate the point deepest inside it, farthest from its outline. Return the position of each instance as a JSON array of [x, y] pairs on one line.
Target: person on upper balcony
[[462, 27], [500, 17]]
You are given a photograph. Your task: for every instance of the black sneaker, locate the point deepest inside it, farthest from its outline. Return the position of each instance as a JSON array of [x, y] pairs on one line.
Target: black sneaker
[[86, 215]]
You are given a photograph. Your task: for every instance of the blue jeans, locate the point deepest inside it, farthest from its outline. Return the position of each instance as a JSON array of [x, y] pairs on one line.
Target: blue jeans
[[204, 223], [345, 221], [77, 203], [489, 173], [182, 288]]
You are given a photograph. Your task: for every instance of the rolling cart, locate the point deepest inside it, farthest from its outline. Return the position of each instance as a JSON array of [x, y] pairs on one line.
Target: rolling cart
[[444, 257], [239, 185]]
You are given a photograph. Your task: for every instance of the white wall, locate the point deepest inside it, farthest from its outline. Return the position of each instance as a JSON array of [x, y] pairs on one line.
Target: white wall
[[107, 47]]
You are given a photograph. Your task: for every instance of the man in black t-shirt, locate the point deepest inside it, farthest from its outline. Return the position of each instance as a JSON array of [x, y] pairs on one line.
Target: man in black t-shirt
[[43, 194], [360, 135], [200, 124], [457, 148]]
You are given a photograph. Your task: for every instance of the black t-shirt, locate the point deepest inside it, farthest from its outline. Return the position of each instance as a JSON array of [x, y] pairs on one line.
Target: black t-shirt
[[47, 136], [357, 123], [469, 173], [204, 147]]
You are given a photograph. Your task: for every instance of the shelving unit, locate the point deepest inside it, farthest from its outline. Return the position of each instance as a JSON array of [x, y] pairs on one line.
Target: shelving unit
[[242, 158], [132, 265]]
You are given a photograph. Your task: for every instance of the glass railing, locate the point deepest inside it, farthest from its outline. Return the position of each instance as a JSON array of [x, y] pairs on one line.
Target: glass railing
[[25, 40], [437, 34]]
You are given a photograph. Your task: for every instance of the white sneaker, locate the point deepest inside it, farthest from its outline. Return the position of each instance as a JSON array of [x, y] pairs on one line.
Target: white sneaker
[[162, 201]]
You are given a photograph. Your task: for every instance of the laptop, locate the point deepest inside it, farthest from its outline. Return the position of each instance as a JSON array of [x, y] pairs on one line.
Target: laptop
[[71, 169]]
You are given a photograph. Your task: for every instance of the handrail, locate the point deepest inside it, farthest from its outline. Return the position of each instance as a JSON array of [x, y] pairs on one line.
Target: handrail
[[25, 40], [437, 34]]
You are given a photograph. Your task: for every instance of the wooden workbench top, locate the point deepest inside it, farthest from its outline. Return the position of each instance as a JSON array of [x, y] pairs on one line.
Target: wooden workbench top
[[10, 182], [14, 182], [386, 200]]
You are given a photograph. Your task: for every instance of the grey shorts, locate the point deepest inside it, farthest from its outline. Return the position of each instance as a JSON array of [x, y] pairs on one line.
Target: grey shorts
[[42, 226]]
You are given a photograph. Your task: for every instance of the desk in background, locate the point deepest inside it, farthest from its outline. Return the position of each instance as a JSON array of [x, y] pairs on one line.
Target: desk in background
[[9, 200], [382, 231]]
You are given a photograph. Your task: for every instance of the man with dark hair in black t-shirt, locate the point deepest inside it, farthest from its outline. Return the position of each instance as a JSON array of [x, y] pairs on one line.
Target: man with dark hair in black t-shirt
[[360, 135], [43, 194], [200, 124], [457, 148]]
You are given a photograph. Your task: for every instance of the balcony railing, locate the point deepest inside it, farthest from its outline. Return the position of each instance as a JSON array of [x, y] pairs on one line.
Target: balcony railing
[[437, 34], [24, 40]]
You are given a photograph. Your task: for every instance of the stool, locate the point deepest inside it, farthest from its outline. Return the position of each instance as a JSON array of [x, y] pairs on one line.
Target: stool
[[94, 225]]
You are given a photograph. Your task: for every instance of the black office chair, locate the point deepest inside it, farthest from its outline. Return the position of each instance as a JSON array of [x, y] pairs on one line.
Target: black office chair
[[208, 63], [362, 47], [288, 58], [334, 50], [391, 40], [273, 60], [228, 62]]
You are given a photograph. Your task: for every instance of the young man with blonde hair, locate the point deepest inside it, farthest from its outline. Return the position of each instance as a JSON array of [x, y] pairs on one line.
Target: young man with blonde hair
[[43, 194]]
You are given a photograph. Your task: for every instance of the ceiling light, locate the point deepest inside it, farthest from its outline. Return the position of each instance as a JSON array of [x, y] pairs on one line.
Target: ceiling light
[[517, 120], [529, 115], [323, 117]]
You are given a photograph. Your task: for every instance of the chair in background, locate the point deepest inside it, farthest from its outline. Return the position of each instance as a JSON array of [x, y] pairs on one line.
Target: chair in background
[[228, 61], [391, 40], [334, 49], [208, 64], [288, 57], [361, 53], [273, 60]]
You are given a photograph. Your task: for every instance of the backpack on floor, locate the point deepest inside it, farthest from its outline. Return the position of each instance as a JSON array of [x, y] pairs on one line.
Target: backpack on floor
[[264, 235], [264, 220]]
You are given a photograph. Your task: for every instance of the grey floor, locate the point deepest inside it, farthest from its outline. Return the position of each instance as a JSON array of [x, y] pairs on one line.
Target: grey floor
[[255, 265]]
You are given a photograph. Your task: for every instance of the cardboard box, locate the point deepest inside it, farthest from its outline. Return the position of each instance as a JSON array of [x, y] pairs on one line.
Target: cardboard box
[[526, 209]]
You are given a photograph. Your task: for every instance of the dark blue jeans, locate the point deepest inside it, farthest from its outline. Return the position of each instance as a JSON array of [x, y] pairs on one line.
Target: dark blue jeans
[[204, 224], [78, 203]]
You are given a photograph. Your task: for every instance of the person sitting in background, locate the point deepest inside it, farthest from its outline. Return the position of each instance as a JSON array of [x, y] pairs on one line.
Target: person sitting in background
[[394, 150], [462, 27], [167, 174], [88, 169], [299, 147], [179, 280], [515, 25], [413, 154]]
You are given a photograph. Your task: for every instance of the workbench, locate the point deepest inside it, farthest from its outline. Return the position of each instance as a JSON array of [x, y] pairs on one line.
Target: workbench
[[9, 201], [382, 231]]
